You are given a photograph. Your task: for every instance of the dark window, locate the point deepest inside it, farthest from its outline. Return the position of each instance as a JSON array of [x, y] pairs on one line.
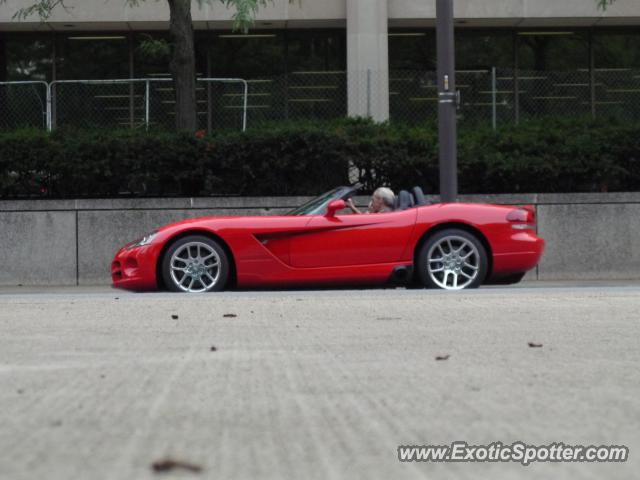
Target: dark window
[[151, 55], [412, 50], [24, 57], [616, 49], [255, 55], [315, 85], [553, 50], [81, 56], [482, 50], [477, 53], [291, 74], [413, 62], [28, 57], [554, 75], [94, 56], [617, 74], [309, 50], [412, 81]]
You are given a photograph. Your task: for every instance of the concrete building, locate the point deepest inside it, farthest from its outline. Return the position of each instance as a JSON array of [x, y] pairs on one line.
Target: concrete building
[[373, 58]]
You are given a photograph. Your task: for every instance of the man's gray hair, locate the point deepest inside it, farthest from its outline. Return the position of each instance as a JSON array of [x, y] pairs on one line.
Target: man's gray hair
[[387, 195]]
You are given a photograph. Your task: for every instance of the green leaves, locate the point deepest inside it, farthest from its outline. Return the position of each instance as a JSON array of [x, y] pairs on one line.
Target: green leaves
[[603, 4], [243, 18], [154, 49], [41, 8], [245, 11], [308, 157]]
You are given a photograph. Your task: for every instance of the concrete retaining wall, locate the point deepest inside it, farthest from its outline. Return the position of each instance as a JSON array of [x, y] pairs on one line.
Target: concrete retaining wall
[[69, 242]]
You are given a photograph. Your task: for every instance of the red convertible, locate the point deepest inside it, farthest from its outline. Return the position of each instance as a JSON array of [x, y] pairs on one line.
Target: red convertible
[[451, 246]]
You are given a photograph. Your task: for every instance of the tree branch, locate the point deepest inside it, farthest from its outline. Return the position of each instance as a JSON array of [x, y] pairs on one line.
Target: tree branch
[[243, 18], [42, 8], [603, 4]]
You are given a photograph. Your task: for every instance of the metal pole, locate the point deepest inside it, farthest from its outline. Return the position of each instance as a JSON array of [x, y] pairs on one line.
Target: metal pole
[[494, 112], [245, 105], [146, 104], [368, 93], [49, 117], [209, 93], [447, 101]]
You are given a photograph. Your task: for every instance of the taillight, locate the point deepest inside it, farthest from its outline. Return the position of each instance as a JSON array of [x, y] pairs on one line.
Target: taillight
[[522, 218], [532, 213], [518, 215]]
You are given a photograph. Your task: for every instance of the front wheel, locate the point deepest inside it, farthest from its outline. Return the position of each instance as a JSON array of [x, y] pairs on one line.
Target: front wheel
[[195, 264], [452, 259]]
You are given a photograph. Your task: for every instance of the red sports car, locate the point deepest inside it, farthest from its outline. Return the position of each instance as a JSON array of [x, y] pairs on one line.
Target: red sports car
[[450, 246]]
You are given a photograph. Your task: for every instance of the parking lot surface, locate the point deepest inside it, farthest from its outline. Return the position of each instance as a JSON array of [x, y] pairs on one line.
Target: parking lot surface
[[98, 383]]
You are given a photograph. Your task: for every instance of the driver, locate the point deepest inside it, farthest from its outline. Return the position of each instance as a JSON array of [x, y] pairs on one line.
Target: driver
[[382, 201]]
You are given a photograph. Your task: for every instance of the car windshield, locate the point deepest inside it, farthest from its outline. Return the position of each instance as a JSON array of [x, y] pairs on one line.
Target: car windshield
[[319, 204]]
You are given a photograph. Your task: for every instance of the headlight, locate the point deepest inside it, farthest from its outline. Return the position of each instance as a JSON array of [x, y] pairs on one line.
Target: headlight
[[146, 240]]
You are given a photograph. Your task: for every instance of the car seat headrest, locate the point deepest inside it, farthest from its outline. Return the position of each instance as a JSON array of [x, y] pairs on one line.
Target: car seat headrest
[[418, 194], [405, 200]]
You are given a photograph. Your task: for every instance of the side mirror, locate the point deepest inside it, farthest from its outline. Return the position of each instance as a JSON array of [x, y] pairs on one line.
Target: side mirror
[[334, 207]]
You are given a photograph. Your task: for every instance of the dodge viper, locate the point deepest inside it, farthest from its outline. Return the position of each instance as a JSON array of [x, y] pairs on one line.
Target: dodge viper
[[451, 246]]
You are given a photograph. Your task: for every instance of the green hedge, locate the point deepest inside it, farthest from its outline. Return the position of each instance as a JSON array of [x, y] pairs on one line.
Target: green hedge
[[307, 158]]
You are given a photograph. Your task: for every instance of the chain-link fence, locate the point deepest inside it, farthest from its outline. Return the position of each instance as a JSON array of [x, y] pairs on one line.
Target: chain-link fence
[[617, 93], [485, 96], [297, 96], [130, 103], [23, 104], [145, 103], [494, 96], [505, 96]]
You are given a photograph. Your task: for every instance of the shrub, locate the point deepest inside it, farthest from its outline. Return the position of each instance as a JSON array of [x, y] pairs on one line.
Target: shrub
[[306, 158]]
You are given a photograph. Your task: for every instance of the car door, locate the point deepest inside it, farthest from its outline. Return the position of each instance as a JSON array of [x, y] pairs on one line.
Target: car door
[[342, 240]]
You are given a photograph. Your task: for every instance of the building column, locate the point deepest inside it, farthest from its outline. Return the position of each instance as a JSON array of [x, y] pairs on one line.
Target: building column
[[367, 59]]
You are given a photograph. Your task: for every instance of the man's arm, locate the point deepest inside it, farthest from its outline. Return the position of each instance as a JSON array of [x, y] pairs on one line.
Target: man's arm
[[352, 206]]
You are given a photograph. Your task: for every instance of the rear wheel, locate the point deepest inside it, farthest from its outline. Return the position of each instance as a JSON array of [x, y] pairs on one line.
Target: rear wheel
[[452, 259], [195, 264]]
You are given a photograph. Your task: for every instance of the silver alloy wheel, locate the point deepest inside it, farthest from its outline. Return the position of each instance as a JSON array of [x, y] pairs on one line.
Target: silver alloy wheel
[[453, 262], [195, 267]]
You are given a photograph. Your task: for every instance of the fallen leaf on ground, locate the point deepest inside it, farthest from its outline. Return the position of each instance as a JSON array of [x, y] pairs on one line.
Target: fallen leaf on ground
[[535, 345], [442, 357], [167, 465], [229, 315]]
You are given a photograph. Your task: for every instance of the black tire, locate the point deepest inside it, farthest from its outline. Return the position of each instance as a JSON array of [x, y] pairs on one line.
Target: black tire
[[221, 276], [456, 266], [508, 280]]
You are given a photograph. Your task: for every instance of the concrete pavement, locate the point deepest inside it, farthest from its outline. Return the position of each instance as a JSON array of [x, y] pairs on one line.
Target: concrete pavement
[[98, 383]]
